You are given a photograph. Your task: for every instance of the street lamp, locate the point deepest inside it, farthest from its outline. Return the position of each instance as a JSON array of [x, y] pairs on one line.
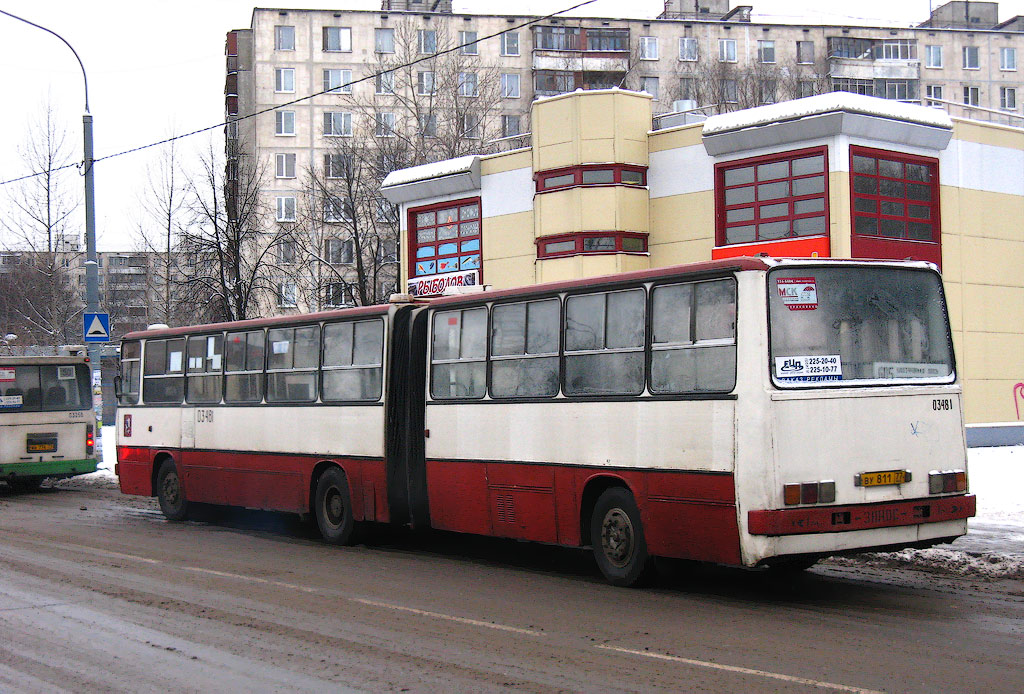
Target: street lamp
[[92, 299], [7, 340]]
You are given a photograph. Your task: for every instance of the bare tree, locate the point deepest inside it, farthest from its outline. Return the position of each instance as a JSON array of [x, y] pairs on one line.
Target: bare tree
[[227, 250], [37, 301]]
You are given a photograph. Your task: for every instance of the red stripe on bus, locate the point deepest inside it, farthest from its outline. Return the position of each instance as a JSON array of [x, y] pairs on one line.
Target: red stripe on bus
[[837, 519]]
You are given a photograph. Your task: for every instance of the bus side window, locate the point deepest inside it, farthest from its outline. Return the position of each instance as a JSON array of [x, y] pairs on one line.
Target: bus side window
[[204, 366], [524, 349], [292, 362], [131, 353], [458, 354], [693, 337], [353, 361], [604, 343], [243, 367], [163, 379]]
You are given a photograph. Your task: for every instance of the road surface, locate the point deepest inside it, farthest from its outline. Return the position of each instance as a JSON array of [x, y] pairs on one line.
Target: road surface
[[99, 593]]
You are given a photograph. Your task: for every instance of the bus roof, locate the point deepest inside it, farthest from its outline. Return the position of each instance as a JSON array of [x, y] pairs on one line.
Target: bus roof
[[29, 361]]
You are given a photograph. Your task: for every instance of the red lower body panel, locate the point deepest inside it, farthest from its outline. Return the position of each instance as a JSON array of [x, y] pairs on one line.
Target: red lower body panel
[[264, 481], [688, 515], [837, 519]]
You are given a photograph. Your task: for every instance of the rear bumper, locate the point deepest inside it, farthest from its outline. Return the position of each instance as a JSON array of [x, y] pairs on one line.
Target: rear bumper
[[48, 468], [838, 519]]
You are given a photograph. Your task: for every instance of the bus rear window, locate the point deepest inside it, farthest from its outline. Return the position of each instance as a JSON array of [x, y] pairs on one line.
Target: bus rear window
[[835, 326], [44, 388]]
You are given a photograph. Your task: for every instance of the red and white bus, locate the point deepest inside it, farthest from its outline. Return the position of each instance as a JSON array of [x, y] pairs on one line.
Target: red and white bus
[[746, 412]]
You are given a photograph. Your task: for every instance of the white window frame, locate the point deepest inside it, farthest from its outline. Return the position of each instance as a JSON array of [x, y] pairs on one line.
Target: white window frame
[[688, 50], [469, 125], [646, 84], [425, 83], [764, 46], [334, 165], [727, 50], [648, 47], [933, 56], [504, 128], [284, 123], [384, 124], [468, 84], [1008, 59], [286, 252], [281, 36], [510, 85], [285, 167], [345, 121], [468, 44], [510, 43], [428, 124], [336, 210], [1008, 98], [344, 81], [933, 91], [422, 44], [970, 52], [383, 31], [286, 208], [286, 295], [384, 83], [972, 96], [804, 62], [727, 97], [284, 80], [344, 39]]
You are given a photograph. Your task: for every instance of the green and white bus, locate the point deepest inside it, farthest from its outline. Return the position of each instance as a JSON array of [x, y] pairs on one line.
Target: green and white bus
[[47, 427]]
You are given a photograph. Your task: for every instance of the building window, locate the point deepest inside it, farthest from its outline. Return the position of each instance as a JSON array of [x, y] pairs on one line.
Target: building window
[[1008, 98], [425, 83], [688, 49], [972, 96], [467, 43], [552, 38], [284, 38], [898, 90], [728, 91], [509, 85], [971, 59], [285, 165], [854, 86], [335, 165], [286, 209], [774, 197], [767, 91], [851, 48], [510, 43], [338, 39], [551, 82], [339, 251], [648, 48], [934, 91], [384, 83], [727, 50], [649, 85], [286, 294], [805, 52], [386, 212], [1007, 58], [284, 80], [426, 41], [469, 125], [806, 88], [339, 81], [384, 124], [286, 252], [766, 51], [337, 124], [591, 242], [445, 238], [688, 88], [284, 122], [334, 295], [428, 124], [590, 175], [894, 195], [467, 84], [510, 125], [384, 40], [933, 56], [896, 49], [337, 209]]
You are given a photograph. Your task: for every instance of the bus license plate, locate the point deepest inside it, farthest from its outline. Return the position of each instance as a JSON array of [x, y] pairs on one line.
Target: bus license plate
[[39, 444], [881, 479]]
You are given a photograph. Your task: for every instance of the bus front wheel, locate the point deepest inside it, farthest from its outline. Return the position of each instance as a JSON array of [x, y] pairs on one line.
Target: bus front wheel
[[170, 493], [617, 538], [333, 508]]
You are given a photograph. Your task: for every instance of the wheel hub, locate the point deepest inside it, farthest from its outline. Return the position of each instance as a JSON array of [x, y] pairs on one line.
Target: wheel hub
[[617, 537], [334, 505]]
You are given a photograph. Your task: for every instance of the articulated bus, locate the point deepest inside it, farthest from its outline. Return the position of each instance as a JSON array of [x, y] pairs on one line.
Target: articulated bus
[[748, 412], [46, 419]]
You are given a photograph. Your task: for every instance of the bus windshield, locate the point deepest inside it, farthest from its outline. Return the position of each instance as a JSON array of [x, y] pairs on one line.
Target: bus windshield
[[833, 326], [44, 387]]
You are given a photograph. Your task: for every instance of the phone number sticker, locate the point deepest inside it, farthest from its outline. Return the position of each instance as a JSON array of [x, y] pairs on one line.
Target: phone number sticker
[[809, 368]]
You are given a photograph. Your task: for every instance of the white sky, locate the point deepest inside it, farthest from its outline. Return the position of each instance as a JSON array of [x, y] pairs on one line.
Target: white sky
[[157, 68]]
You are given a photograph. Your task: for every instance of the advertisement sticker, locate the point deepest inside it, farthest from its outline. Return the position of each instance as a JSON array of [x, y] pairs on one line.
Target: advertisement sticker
[[798, 293]]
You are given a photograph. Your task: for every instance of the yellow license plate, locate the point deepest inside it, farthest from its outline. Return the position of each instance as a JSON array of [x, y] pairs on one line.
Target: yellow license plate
[[41, 447], [883, 478]]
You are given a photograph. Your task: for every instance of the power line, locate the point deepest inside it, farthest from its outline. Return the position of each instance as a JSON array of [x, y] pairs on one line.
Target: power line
[[371, 76]]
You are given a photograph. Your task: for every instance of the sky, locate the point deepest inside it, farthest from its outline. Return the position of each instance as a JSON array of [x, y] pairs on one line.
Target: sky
[[156, 68]]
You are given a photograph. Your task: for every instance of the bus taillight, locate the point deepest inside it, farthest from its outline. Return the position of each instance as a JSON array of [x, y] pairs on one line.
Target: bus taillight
[[946, 482], [90, 441], [809, 493]]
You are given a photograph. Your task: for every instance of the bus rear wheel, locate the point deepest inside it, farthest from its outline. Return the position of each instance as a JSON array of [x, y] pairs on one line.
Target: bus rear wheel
[[332, 507], [26, 484], [170, 493], [617, 538]]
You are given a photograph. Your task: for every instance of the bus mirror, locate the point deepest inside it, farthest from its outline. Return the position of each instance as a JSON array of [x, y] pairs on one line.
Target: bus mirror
[[117, 386]]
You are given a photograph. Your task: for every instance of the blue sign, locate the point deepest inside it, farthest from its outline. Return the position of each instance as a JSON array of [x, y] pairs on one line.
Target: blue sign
[[96, 327]]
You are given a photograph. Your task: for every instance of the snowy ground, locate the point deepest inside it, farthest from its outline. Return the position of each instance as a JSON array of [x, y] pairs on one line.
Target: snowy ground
[[993, 546]]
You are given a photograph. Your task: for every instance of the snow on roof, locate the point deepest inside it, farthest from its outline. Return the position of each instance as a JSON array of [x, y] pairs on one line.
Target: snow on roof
[[423, 172], [827, 103]]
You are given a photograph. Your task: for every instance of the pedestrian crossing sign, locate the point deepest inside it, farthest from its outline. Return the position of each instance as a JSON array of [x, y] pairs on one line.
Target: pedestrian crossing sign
[[96, 327]]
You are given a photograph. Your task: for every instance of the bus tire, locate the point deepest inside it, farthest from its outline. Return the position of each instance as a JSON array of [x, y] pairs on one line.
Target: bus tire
[[170, 493], [332, 506], [25, 485], [617, 538]]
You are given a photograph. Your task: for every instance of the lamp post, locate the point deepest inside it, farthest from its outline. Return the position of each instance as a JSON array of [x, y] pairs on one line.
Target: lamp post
[[92, 299]]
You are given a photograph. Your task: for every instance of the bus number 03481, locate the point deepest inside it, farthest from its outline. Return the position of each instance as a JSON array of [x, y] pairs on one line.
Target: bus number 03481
[[204, 415]]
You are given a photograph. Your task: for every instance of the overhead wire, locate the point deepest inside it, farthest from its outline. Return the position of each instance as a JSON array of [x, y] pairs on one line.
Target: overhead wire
[[333, 90]]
